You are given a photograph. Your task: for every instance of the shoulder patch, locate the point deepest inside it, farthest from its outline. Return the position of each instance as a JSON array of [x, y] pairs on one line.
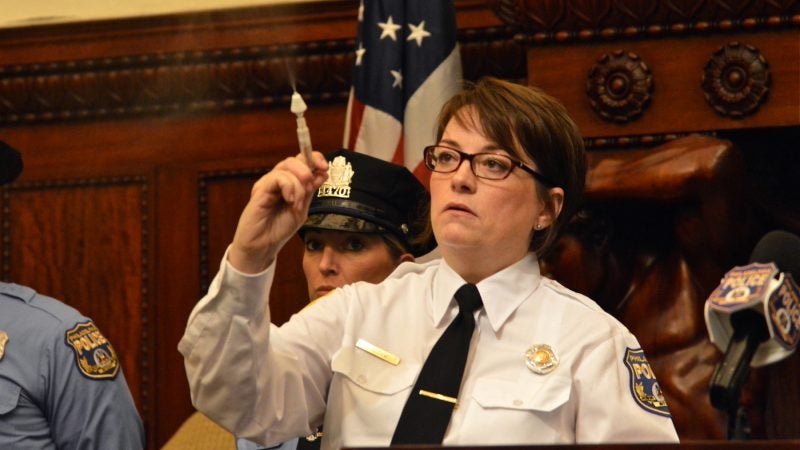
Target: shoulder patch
[[643, 384], [94, 355]]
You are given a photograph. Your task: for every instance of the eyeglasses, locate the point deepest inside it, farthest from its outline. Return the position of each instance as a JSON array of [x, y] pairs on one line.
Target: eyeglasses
[[490, 166]]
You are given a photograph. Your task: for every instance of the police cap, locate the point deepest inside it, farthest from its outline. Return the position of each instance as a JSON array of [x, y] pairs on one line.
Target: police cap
[[364, 194]]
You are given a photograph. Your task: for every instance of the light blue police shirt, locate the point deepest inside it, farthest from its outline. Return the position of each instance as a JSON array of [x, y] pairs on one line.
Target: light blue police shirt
[[61, 384]]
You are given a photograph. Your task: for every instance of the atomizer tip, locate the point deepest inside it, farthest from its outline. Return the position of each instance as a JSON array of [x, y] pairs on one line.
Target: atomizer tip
[[298, 105]]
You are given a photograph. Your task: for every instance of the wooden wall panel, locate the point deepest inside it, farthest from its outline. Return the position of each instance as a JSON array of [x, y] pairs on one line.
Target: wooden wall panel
[[222, 196], [176, 277]]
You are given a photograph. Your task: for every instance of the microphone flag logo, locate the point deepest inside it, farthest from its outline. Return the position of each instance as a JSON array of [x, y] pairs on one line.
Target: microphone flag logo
[[743, 286], [784, 313], [763, 288]]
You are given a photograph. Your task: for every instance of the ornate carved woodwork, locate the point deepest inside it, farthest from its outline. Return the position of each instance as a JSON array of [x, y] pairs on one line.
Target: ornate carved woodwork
[[676, 39], [736, 80], [620, 86], [543, 21], [212, 80], [629, 142]]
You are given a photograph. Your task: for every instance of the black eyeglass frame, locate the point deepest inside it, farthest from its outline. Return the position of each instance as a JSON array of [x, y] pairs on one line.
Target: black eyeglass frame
[[471, 157]]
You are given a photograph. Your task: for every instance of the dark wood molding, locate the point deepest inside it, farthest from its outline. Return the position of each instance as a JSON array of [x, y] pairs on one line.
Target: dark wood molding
[[634, 141], [210, 81], [546, 21], [202, 81]]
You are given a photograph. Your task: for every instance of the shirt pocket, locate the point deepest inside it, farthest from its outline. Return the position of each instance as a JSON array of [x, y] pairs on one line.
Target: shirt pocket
[[532, 409], [9, 396], [372, 373], [532, 393]]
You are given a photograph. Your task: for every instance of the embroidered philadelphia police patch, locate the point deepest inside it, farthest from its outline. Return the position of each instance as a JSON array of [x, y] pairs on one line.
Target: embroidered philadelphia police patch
[[644, 386], [94, 355]]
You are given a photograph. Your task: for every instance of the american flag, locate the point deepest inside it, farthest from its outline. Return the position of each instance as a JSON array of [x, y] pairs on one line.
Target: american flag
[[407, 65]]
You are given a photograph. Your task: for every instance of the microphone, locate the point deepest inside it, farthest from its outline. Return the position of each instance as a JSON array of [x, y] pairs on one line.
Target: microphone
[[10, 163], [754, 315]]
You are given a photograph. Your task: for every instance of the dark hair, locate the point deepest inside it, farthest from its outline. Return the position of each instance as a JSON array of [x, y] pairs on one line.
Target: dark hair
[[525, 119], [396, 249]]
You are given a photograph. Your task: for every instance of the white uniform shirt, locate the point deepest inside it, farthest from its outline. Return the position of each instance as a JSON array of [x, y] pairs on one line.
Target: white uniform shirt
[[271, 384]]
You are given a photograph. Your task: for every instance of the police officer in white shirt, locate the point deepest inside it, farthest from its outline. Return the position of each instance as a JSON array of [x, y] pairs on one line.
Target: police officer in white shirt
[[545, 365]]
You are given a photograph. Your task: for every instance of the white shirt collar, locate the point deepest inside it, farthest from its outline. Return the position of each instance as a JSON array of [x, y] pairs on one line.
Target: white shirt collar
[[502, 293]]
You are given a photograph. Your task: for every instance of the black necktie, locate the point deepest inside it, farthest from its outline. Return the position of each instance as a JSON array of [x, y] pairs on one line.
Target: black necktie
[[427, 411]]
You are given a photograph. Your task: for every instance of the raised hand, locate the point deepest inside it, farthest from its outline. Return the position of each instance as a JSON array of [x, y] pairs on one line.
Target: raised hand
[[278, 207]]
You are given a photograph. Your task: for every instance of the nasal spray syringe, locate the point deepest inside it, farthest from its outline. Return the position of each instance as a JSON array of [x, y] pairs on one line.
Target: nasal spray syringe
[[303, 136]]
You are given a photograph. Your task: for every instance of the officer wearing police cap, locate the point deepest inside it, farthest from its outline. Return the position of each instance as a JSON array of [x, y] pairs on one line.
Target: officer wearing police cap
[[363, 221], [61, 382], [366, 219]]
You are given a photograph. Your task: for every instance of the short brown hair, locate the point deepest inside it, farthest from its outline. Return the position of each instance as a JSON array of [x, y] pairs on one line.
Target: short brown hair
[[525, 119]]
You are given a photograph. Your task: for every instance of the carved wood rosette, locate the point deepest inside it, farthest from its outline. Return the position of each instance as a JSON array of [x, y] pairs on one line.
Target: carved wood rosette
[[620, 86], [736, 80]]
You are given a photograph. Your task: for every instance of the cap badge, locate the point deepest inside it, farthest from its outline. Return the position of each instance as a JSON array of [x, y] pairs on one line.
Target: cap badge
[[3, 341], [541, 359], [338, 183]]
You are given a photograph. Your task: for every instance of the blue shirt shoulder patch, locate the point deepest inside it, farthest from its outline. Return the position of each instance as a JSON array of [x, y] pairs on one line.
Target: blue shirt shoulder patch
[[94, 355]]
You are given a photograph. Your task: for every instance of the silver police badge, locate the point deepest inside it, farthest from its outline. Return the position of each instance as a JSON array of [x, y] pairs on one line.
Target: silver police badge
[[541, 359], [340, 174]]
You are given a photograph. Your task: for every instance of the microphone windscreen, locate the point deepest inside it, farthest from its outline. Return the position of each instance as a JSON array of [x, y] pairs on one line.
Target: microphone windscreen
[[779, 247], [10, 163]]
